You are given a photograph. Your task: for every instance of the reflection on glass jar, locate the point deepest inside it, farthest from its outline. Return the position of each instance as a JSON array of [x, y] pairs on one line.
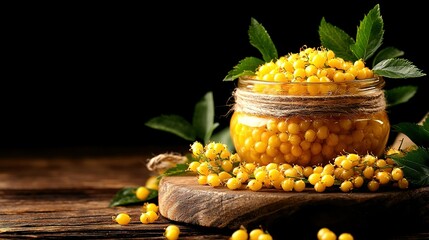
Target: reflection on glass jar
[[308, 123]]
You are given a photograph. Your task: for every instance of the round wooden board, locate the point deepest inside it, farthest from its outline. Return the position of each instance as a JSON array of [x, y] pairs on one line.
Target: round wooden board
[[182, 199]]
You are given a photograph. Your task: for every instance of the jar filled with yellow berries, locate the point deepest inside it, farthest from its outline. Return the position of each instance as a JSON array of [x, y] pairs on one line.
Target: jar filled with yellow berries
[[306, 108]]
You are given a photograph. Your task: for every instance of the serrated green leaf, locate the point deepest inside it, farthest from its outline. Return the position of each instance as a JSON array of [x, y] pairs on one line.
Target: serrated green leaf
[[224, 136], [386, 53], [246, 66], [174, 124], [260, 39], [399, 95], [397, 68], [127, 196], [415, 165], [369, 35], [417, 133], [337, 40], [203, 119]]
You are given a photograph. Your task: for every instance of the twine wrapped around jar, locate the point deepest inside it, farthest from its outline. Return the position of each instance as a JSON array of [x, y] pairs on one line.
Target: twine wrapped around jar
[[286, 105]]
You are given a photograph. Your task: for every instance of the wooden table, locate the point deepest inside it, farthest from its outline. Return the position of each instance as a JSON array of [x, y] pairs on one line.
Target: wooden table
[[65, 194]]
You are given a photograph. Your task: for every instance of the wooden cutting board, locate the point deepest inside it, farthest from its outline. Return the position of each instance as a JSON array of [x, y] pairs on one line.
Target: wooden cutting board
[[182, 199]]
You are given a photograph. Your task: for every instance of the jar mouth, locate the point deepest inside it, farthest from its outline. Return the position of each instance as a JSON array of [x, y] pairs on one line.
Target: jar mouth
[[376, 80], [248, 83]]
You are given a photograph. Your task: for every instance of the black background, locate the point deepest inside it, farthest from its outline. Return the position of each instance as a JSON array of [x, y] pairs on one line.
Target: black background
[[93, 74]]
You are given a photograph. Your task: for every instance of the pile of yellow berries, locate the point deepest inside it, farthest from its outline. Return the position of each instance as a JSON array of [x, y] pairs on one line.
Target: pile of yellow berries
[[216, 166], [149, 213], [310, 65]]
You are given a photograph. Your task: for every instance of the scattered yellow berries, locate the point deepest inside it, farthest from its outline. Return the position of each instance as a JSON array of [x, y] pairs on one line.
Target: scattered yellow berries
[[122, 218], [149, 215]]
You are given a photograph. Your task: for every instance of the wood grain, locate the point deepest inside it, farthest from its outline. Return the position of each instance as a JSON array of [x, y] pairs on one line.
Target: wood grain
[[182, 199], [56, 197]]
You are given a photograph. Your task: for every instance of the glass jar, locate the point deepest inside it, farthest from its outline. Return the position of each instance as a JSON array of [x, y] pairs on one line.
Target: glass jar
[[308, 123]]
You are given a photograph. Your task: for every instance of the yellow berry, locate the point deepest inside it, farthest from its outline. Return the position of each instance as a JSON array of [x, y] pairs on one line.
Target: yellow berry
[[254, 185], [255, 233], [299, 186], [321, 232], [397, 174], [150, 207], [193, 166], [122, 218], [213, 180], [197, 148], [240, 234], [142, 193], [345, 236], [346, 186], [233, 183], [172, 232], [265, 236], [152, 183], [144, 218], [153, 216]]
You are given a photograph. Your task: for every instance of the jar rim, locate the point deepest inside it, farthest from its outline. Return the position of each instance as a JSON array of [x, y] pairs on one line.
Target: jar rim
[[374, 80]]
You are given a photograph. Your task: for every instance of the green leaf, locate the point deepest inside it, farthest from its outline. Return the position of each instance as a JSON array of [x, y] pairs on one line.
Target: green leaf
[[337, 40], [415, 165], [246, 66], [260, 39], [173, 124], [224, 136], [419, 134], [399, 95], [203, 118], [127, 196], [210, 133], [369, 35], [425, 123], [397, 68], [179, 169], [386, 53]]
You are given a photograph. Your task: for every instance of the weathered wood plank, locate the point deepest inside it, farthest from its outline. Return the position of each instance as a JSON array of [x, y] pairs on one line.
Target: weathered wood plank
[[77, 213], [295, 214], [68, 197]]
